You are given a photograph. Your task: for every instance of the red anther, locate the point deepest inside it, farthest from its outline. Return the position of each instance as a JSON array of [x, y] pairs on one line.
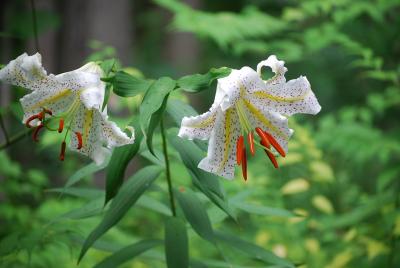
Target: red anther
[[36, 132], [264, 139], [239, 150], [30, 119], [61, 125], [79, 137], [250, 137], [271, 156], [275, 144], [62, 153], [47, 111], [244, 165]]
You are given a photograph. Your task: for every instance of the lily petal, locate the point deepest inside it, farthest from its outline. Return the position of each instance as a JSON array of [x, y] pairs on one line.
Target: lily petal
[[200, 126], [99, 135], [221, 154], [288, 98], [277, 66]]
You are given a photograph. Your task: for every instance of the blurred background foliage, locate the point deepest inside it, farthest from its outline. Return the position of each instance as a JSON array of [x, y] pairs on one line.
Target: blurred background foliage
[[333, 203]]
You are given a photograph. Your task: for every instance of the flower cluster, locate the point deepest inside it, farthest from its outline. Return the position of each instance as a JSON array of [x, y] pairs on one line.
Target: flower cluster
[[244, 105]]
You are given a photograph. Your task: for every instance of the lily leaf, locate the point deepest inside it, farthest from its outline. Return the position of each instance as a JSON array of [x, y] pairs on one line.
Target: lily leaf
[[128, 253], [176, 243], [123, 201], [200, 82]]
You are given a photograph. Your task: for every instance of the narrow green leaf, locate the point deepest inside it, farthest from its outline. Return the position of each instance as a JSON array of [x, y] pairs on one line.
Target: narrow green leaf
[[122, 202], [90, 209], [178, 109], [252, 250], [176, 243], [153, 204], [126, 85], [107, 94], [88, 193], [154, 122], [107, 66], [84, 172], [263, 210], [196, 214], [204, 181], [153, 101], [119, 161], [199, 82], [128, 253]]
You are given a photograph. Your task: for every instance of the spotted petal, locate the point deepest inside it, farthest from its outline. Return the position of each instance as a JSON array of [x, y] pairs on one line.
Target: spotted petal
[[99, 135], [199, 127], [288, 98], [277, 66], [221, 157]]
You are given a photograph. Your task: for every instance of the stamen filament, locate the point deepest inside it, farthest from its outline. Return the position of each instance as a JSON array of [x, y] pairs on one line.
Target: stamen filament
[[251, 142]]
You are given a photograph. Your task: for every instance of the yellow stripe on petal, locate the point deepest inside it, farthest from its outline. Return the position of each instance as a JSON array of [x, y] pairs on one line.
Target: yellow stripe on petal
[[227, 140], [52, 99], [205, 123], [87, 125], [264, 95], [255, 112]]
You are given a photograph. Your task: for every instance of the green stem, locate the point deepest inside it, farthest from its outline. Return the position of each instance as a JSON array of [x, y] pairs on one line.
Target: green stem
[[34, 23], [167, 169], [15, 139], [3, 127]]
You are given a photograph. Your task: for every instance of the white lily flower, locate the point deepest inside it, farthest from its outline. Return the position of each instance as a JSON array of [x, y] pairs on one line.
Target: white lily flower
[[245, 103], [73, 99]]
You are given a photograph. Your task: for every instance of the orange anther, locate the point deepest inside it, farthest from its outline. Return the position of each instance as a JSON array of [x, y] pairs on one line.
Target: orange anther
[[62, 153], [271, 156], [36, 132], [239, 150], [264, 139], [30, 119], [79, 137], [275, 144], [61, 125], [251, 142], [244, 165], [47, 111]]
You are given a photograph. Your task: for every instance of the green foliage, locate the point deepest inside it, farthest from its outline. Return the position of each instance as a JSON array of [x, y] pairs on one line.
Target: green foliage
[[122, 202], [333, 203], [176, 243]]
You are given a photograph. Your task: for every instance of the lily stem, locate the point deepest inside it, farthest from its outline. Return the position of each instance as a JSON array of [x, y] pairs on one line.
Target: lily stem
[[14, 139], [167, 169], [3, 127], [34, 23]]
